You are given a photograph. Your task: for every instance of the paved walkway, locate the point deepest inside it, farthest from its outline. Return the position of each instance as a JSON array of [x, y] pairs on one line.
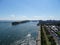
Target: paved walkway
[[38, 41]]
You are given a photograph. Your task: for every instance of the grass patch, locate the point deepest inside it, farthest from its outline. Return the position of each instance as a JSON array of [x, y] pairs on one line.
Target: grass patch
[[44, 38], [58, 33]]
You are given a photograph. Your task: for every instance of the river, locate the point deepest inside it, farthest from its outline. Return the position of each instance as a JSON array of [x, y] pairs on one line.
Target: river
[[9, 33]]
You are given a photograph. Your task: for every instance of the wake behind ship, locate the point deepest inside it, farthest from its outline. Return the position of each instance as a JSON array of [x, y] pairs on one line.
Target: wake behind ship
[[29, 40]]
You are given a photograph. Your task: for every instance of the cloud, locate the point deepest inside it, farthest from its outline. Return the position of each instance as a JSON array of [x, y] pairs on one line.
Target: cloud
[[15, 17]]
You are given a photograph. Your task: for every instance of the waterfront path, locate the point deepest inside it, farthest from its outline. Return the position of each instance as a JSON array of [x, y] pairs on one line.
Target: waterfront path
[[38, 41]]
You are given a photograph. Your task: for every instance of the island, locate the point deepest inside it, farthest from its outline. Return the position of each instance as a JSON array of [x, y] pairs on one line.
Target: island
[[20, 22]]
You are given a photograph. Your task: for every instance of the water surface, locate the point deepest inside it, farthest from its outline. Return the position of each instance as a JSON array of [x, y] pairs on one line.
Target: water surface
[[10, 33]]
